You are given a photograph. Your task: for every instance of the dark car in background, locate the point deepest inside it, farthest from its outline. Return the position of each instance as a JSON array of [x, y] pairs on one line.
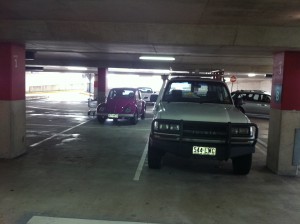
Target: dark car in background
[[253, 103]]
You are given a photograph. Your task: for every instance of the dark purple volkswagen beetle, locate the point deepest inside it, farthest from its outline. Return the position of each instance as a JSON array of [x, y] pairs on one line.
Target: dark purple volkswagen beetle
[[122, 103]]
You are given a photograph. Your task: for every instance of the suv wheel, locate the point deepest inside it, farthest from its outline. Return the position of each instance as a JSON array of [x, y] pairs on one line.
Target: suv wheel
[[241, 165], [154, 158]]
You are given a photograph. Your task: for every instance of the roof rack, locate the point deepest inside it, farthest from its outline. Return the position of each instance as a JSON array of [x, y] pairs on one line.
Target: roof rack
[[255, 90], [216, 75]]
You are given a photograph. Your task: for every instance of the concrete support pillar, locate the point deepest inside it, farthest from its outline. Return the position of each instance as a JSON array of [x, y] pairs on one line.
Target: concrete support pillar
[[96, 86], [12, 100], [101, 84], [285, 113]]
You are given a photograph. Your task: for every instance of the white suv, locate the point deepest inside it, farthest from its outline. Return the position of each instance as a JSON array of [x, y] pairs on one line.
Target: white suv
[[197, 117]]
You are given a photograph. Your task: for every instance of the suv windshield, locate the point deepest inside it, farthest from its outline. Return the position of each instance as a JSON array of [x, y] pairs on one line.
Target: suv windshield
[[197, 91]]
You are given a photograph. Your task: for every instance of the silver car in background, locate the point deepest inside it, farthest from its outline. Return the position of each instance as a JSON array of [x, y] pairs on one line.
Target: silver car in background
[[148, 94], [253, 103]]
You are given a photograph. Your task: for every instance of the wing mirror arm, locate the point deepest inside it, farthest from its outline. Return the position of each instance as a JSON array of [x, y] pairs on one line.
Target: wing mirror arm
[[238, 102]]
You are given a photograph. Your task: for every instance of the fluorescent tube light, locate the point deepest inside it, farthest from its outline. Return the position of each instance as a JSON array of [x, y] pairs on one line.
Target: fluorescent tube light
[[157, 58], [154, 71], [77, 68], [251, 75]]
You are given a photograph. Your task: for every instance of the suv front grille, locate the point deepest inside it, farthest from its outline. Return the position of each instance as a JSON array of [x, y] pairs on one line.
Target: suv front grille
[[205, 131], [197, 131]]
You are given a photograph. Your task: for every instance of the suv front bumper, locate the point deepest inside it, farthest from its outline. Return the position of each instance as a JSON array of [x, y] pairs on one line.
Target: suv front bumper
[[185, 149], [225, 145]]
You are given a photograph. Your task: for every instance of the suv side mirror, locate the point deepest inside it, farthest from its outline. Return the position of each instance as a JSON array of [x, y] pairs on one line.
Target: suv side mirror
[[238, 102]]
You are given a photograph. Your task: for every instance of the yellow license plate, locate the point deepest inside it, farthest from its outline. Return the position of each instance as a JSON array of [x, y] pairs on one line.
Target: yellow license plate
[[207, 151]]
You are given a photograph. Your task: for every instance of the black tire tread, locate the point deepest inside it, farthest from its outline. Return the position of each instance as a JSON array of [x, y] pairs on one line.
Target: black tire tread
[[241, 165]]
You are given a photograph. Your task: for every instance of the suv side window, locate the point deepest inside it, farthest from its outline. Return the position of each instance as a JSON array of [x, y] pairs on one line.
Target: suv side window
[[249, 97], [256, 98], [242, 96], [266, 98]]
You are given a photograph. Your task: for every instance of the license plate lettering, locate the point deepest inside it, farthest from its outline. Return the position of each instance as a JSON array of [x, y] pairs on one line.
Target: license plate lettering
[[201, 150]]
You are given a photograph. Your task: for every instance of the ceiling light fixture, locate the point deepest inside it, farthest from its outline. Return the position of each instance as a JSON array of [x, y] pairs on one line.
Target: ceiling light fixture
[[76, 68], [154, 71], [157, 58]]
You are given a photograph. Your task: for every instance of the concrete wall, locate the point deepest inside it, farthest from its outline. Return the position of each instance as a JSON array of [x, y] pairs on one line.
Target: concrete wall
[[246, 84], [55, 81]]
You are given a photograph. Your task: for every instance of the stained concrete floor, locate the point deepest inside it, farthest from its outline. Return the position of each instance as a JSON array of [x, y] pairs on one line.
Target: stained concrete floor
[[76, 168]]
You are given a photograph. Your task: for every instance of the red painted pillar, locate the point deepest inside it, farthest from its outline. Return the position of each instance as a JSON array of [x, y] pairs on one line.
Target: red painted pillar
[[285, 113], [12, 100], [100, 84]]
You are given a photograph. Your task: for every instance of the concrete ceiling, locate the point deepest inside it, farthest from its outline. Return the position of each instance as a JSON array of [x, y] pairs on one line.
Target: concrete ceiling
[[234, 35]]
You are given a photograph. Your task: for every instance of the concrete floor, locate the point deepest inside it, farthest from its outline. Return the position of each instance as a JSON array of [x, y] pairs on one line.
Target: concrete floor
[[76, 168]]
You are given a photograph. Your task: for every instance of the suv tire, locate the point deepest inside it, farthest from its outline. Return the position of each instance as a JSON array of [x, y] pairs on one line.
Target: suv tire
[[154, 158], [241, 165]]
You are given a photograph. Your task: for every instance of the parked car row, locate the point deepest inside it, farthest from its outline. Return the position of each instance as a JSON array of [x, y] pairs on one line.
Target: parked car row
[[193, 118], [130, 103]]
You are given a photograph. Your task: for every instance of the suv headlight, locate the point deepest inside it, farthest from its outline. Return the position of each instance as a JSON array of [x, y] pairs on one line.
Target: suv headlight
[[241, 131], [166, 126]]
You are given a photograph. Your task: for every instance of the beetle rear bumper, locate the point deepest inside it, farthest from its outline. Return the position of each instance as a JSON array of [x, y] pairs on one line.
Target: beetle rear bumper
[[115, 116]]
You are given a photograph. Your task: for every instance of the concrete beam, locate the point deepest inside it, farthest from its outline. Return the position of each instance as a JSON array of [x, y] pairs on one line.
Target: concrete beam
[[178, 66], [145, 33]]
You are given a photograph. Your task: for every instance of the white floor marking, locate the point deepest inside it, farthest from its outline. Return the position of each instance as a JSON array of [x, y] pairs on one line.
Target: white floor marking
[[53, 220], [141, 164], [46, 108], [46, 125], [38, 143], [262, 143], [261, 150]]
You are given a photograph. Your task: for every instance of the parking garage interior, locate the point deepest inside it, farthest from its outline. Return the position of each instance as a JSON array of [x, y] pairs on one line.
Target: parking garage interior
[[59, 165]]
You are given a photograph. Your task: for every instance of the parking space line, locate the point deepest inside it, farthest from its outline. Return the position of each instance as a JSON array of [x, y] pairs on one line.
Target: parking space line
[[261, 150], [56, 220], [52, 109], [141, 164], [262, 143], [47, 125], [38, 143]]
